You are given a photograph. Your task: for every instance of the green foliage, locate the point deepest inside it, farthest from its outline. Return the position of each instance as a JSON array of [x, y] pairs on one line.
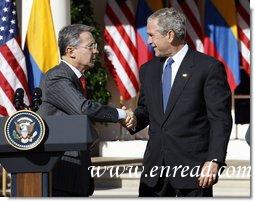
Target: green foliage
[[82, 13]]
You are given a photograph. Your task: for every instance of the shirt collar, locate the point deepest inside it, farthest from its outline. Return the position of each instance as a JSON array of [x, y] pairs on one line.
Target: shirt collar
[[178, 57], [75, 70]]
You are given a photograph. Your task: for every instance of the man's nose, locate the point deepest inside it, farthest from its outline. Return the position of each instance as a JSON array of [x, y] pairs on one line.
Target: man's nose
[[149, 41], [96, 51]]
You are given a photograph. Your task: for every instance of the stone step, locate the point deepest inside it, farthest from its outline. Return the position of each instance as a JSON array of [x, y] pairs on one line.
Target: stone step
[[221, 189], [129, 188], [117, 192], [232, 188]]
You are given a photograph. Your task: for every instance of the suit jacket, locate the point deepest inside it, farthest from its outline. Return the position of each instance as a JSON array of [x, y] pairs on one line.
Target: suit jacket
[[62, 95], [197, 123]]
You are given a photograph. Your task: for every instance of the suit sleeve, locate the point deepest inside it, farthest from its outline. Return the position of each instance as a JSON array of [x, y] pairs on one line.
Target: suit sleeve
[[218, 103], [141, 111], [61, 92]]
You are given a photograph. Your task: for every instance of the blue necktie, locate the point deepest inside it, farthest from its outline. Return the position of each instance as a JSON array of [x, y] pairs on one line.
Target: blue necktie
[[166, 82]]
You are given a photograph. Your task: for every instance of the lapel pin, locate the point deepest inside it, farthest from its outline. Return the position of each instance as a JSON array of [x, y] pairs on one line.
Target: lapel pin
[[185, 75]]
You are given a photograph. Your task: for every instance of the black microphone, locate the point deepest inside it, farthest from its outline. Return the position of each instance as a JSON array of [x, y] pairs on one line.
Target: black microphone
[[19, 99], [37, 101]]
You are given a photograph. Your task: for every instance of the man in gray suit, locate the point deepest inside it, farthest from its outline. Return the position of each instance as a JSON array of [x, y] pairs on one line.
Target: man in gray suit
[[64, 93]]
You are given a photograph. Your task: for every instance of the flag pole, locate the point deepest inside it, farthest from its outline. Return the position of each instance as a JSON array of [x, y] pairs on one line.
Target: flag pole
[[121, 127], [4, 177]]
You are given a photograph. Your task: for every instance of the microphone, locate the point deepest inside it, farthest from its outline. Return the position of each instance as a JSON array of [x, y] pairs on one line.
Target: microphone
[[37, 101], [19, 99]]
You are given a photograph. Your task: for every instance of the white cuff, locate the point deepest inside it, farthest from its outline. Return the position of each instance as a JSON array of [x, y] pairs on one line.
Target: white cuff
[[122, 114]]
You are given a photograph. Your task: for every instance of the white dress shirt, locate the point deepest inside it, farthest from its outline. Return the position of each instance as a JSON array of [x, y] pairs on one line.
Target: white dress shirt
[[178, 58]]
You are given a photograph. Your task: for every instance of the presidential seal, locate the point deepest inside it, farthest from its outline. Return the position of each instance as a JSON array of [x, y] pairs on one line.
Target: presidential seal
[[24, 130]]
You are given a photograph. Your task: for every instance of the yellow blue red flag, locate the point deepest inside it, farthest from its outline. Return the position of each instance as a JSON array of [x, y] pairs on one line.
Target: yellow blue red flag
[[221, 37], [41, 46]]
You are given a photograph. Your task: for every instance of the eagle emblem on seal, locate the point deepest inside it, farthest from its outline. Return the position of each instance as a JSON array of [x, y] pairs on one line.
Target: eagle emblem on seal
[[24, 130]]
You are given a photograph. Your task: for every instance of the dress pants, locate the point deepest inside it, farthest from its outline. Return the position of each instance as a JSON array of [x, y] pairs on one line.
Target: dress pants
[[166, 190], [163, 188], [71, 177]]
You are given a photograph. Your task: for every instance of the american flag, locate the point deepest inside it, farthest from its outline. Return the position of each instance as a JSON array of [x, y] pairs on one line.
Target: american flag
[[13, 73], [243, 20], [121, 48], [194, 35]]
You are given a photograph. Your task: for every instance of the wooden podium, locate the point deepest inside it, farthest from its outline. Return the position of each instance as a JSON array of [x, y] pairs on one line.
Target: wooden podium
[[35, 182], [30, 169]]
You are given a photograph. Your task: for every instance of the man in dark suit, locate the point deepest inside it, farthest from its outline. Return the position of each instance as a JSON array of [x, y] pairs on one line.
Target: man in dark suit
[[186, 101], [64, 93]]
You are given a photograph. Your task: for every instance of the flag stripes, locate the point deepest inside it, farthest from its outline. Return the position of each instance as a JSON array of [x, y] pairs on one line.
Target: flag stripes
[[243, 20], [120, 48]]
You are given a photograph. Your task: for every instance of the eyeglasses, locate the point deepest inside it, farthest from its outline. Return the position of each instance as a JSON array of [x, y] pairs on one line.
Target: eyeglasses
[[91, 46]]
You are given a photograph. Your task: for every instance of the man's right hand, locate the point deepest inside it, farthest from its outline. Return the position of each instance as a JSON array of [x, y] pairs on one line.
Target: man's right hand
[[130, 122]]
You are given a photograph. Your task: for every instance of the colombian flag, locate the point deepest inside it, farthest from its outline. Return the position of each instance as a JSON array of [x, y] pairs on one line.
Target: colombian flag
[[144, 10], [41, 46], [221, 39]]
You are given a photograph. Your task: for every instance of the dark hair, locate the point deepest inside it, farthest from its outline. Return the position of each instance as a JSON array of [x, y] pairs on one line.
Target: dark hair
[[70, 36]]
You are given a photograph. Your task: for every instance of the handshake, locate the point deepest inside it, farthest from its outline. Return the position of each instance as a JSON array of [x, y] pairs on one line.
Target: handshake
[[130, 121]]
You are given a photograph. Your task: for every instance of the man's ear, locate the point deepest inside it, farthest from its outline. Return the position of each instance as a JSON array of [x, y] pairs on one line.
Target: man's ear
[[70, 51], [171, 36]]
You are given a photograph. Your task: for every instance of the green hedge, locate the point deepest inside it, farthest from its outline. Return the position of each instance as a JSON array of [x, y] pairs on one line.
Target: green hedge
[[82, 13]]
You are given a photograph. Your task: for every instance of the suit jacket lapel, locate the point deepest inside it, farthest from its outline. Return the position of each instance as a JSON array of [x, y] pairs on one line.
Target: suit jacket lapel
[[158, 86], [183, 75]]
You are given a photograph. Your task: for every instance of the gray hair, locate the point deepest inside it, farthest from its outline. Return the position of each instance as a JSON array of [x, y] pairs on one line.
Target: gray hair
[[70, 36], [170, 19]]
